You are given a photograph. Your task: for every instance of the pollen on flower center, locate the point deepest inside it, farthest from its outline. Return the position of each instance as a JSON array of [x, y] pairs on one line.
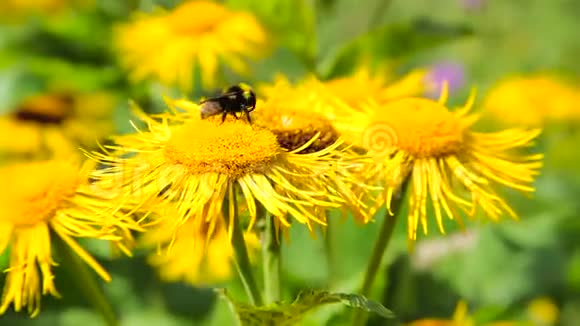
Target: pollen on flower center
[[234, 148], [294, 129], [207, 16], [37, 190], [424, 128]]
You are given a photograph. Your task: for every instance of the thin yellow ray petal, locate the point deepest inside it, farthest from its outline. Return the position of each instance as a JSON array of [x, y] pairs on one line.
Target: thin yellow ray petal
[[444, 93]]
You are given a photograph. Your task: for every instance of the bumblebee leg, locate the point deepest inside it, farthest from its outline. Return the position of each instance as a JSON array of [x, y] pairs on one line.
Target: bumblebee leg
[[248, 115], [252, 108], [224, 115]]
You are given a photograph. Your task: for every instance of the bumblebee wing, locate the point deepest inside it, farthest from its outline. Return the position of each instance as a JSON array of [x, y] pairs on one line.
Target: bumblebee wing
[[210, 108]]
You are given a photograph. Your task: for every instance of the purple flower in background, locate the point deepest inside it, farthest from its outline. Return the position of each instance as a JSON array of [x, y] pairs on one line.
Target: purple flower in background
[[472, 5], [451, 72]]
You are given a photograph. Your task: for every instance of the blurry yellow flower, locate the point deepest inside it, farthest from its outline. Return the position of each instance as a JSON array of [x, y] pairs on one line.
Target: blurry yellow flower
[[198, 253], [363, 86], [191, 163], [57, 124], [40, 198], [344, 101], [359, 87], [25, 139], [461, 318], [533, 101], [13, 10], [543, 312], [446, 162], [353, 91], [33, 5], [411, 84], [171, 46]]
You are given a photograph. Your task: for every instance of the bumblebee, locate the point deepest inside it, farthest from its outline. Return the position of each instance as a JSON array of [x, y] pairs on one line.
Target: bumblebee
[[236, 99]]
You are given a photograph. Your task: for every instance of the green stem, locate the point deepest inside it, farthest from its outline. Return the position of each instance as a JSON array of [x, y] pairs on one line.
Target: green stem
[[241, 259], [381, 245], [329, 251], [271, 255], [86, 282], [379, 13]]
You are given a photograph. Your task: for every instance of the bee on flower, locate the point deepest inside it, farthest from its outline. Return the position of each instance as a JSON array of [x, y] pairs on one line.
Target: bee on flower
[[194, 163]]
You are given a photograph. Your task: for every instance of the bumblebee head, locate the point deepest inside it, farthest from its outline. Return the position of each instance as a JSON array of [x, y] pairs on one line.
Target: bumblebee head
[[241, 88], [247, 92], [245, 87]]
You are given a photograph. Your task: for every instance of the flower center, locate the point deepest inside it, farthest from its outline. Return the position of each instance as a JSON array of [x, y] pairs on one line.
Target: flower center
[[37, 190], [207, 16], [422, 127], [46, 109], [293, 129], [234, 147]]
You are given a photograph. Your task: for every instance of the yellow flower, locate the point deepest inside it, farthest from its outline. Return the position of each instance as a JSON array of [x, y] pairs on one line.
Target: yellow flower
[[191, 163], [344, 101], [363, 86], [14, 11], [296, 124], [353, 91], [533, 101], [33, 5], [171, 46], [461, 318], [445, 162], [198, 253], [411, 84], [24, 139], [543, 311], [56, 123], [295, 127], [359, 87], [47, 197]]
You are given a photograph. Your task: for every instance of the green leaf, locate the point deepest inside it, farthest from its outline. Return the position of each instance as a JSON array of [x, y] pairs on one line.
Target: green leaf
[[5, 259], [290, 22], [79, 37], [361, 302], [573, 271], [55, 70], [393, 42], [14, 85], [287, 314], [504, 265], [86, 282], [303, 247]]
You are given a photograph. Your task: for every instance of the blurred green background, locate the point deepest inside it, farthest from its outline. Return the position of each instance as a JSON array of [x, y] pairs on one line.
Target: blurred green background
[[497, 268]]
